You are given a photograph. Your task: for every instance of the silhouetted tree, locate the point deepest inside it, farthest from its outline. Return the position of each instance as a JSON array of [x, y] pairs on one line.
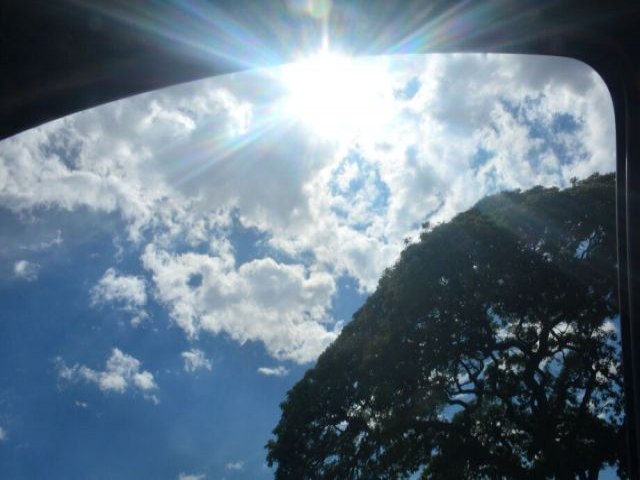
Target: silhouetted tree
[[488, 351]]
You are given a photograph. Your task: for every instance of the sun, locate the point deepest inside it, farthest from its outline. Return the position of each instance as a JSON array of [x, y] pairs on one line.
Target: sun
[[336, 96]]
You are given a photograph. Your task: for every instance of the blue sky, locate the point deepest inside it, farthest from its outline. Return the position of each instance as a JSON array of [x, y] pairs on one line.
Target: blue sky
[[173, 263]]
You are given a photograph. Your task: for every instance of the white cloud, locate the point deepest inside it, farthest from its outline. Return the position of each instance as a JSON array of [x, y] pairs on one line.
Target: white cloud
[[106, 159], [127, 291], [278, 371], [512, 119], [237, 466], [26, 270], [282, 305], [112, 287], [3, 434], [194, 360], [121, 373], [144, 381], [184, 476]]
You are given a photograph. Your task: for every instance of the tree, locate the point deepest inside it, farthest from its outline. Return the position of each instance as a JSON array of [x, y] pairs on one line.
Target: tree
[[487, 351]]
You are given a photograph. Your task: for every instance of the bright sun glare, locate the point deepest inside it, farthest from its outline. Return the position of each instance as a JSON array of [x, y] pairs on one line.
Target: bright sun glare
[[337, 96]]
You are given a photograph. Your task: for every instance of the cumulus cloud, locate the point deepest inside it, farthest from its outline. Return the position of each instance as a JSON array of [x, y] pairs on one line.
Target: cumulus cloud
[[284, 306], [122, 372], [111, 158], [278, 371], [195, 360], [264, 180], [129, 292], [509, 132], [26, 270]]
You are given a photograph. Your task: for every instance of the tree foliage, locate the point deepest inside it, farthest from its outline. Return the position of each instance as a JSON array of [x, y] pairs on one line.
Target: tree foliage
[[487, 351]]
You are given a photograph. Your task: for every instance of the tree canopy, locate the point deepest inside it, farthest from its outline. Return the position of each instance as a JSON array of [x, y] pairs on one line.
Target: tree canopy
[[489, 350]]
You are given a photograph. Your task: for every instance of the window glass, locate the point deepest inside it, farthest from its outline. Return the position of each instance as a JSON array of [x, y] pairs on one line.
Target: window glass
[[442, 227]]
